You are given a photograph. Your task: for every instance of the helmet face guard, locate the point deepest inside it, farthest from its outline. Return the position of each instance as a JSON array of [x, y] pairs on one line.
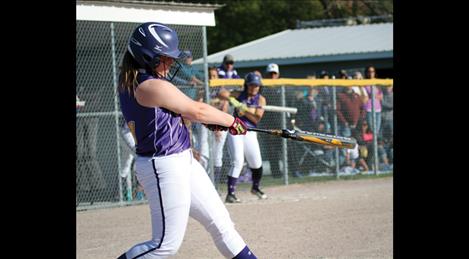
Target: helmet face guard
[[150, 41]]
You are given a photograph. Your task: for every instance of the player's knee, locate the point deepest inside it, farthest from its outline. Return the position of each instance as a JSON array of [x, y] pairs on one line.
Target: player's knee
[[238, 164]]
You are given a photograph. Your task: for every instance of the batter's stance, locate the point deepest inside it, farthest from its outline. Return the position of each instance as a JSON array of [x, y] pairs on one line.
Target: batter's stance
[[240, 146], [175, 184]]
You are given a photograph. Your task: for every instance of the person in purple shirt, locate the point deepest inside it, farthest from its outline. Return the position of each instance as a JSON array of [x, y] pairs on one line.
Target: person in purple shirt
[[174, 183], [251, 112], [226, 69]]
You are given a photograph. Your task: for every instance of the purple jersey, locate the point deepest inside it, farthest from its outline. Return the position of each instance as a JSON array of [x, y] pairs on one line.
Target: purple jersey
[[253, 102], [223, 73], [157, 131]]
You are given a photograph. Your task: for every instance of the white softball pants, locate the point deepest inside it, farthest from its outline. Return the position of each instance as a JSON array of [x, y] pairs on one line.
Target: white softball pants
[[241, 146], [178, 187], [218, 148]]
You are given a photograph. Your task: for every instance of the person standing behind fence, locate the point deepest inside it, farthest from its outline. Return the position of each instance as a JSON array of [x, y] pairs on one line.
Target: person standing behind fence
[[349, 111], [220, 136], [325, 99], [250, 112], [187, 77], [360, 90], [370, 73], [387, 122], [364, 137], [273, 72], [226, 69], [175, 184], [387, 114]]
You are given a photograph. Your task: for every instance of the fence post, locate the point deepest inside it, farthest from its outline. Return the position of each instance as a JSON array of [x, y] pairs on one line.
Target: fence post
[[211, 171], [116, 111], [375, 131], [336, 130], [284, 140]]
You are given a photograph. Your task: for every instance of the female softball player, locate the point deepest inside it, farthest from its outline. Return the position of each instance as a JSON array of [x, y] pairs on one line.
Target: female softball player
[[220, 136], [250, 112], [175, 184]]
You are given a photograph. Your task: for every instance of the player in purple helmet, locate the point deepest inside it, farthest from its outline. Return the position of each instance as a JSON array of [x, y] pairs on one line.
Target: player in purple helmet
[[248, 106], [175, 184]]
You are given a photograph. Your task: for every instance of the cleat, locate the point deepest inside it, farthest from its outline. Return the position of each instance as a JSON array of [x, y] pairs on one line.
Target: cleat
[[231, 198], [260, 194]]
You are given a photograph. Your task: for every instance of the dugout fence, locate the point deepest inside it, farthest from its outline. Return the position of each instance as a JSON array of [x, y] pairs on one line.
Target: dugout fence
[[101, 154], [319, 104]]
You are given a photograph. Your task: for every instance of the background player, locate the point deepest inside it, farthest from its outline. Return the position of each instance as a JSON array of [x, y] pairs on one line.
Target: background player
[[220, 136], [175, 184], [240, 146]]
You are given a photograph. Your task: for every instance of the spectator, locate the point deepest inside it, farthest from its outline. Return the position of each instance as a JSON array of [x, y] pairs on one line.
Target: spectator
[[364, 139], [323, 160], [272, 71], [200, 136], [129, 164], [352, 157], [220, 136], [188, 72], [343, 74], [387, 132], [226, 69], [212, 73], [325, 100], [383, 156], [387, 115], [188, 76], [349, 111], [359, 89], [371, 74]]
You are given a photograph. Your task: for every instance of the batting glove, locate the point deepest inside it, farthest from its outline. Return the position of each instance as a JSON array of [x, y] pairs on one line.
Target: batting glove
[[238, 127], [237, 104]]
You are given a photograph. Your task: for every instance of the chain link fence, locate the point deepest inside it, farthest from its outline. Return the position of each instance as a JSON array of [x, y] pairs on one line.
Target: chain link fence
[[348, 114], [104, 162], [103, 159]]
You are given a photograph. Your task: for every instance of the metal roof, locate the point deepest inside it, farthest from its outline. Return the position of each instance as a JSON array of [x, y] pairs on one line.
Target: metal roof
[[313, 45], [144, 11]]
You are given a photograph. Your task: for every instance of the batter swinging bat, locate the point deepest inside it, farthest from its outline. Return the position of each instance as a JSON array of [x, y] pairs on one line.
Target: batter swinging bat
[[312, 137]]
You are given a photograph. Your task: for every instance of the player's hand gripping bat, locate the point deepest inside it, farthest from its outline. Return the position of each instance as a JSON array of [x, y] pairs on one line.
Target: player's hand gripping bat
[[312, 137]]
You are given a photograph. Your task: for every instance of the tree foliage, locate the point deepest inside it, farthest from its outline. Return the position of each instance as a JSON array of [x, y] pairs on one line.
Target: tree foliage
[[241, 21]]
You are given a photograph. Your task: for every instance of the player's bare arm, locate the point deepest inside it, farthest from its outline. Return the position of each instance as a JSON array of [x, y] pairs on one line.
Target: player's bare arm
[[160, 93]]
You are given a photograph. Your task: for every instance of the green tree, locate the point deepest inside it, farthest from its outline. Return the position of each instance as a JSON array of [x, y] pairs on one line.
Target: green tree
[[241, 21]]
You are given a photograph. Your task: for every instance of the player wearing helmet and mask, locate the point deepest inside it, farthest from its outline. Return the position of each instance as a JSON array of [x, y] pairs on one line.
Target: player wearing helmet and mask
[[174, 183], [250, 112]]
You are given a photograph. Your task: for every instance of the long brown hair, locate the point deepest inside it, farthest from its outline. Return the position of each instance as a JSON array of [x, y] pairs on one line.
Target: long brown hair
[[128, 73]]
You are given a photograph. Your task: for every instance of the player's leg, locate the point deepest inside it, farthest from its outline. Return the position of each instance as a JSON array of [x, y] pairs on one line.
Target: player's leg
[[209, 210], [218, 153], [203, 138], [236, 148], [254, 159], [166, 183]]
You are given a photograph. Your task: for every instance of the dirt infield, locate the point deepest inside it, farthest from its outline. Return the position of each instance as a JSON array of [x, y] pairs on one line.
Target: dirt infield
[[333, 219]]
